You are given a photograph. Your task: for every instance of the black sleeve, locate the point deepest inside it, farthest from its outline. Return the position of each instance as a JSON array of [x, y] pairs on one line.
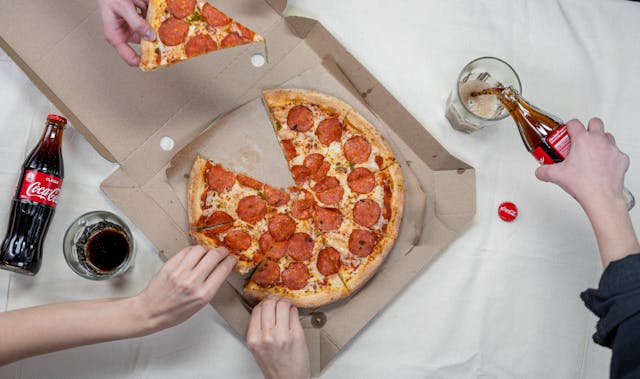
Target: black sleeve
[[617, 303]]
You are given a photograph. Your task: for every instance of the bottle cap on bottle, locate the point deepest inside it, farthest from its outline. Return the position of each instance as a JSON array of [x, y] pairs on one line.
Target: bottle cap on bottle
[[57, 119], [508, 211]]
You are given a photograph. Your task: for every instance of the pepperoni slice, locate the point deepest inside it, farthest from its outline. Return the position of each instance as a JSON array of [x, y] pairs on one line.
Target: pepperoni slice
[[357, 149], [295, 276], [329, 130], [278, 250], [329, 191], [181, 8], [302, 209], [213, 16], [327, 219], [251, 209], [289, 149], [219, 218], [233, 39], [237, 240], [362, 242], [313, 162], [249, 182], [200, 44], [300, 246], [366, 212], [317, 166], [361, 180], [328, 261], [220, 179], [173, 31], [267, 274], [265, 242], [300, 173], [275, 197], [322, 172], [281, 227], [300, 118], [245, 32]]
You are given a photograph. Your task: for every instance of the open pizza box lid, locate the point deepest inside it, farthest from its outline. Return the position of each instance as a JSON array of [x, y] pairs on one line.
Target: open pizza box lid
[[195, 106]]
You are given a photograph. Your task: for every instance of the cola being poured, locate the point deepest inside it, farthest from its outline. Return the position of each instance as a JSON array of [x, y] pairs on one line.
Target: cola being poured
[[545, 136]]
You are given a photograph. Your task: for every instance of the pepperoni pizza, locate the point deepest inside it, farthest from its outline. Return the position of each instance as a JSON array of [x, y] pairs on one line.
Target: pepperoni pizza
[[321, 240], [187, 28]]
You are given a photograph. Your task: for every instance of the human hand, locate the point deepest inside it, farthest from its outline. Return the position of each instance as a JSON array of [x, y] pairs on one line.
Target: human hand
[[123, 25], [186, 283], [593, 171], [276, 340]]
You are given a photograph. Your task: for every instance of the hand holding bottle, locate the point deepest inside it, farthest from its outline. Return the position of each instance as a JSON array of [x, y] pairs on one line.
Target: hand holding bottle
[[593, 173], [594, 169]]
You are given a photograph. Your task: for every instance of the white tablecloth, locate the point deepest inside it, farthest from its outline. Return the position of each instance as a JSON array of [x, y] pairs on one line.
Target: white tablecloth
[[501, 302]]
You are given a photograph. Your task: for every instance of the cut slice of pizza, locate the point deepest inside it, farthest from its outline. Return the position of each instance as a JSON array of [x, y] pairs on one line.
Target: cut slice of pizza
[[240, 238], [218, 196], [306, 123], [187, 28], [299, 271], [361, 252]]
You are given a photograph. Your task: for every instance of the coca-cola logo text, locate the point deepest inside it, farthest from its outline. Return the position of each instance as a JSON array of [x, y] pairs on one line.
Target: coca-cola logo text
[[35, 189], [40, 187]]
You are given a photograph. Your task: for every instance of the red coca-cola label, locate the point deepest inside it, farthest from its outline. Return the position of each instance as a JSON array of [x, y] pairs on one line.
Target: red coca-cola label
[[40, 187], [559, 141]]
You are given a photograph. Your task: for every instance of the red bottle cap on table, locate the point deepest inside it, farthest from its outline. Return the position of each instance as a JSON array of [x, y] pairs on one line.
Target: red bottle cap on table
[[57, 119], [508, 211]]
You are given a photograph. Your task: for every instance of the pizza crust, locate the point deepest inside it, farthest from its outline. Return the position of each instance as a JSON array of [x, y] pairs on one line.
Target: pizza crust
[[195, 189], [369, 268], [290, 97], [397, 201], [300, 298]]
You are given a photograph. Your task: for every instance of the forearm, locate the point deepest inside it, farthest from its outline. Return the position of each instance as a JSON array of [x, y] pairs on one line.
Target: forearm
[[613, 229], [43, 329]]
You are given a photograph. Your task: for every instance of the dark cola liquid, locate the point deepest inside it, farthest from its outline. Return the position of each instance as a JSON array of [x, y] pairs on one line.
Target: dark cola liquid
[[28, 225], [103, 247]]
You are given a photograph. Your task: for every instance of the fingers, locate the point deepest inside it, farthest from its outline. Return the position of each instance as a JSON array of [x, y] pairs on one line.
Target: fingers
[[268, 317], [174, 261], [208, 263], [220, 274], [255, 321], [596, 125], [282, 315], [136, 23], [193, 256], [294, 320], [127, 54], [142, 5], [544, 173], [611, 138], [575, 128]]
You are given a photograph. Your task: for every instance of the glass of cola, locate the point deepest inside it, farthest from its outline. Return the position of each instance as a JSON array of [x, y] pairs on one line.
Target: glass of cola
[[98, 246]]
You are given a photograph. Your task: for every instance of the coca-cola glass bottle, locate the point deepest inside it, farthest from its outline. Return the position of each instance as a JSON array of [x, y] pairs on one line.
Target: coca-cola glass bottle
[[34, 201]]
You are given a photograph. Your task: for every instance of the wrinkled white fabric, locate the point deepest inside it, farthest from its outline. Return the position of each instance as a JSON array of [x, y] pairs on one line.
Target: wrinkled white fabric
[[500, 302]]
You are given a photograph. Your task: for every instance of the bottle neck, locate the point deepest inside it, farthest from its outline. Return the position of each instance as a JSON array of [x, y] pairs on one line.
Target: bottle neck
[[52, 135]]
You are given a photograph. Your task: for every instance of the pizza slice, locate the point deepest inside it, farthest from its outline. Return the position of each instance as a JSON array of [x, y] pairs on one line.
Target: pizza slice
[[299, 270], [218, 196], [240, 238], [187, 28], [361, 252], [306, 123]]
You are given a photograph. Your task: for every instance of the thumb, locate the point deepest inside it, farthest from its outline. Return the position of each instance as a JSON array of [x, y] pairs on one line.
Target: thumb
[[545, 173]]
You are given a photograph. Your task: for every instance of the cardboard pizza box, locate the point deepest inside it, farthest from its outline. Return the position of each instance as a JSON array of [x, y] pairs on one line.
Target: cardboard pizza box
[[150, 122]]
